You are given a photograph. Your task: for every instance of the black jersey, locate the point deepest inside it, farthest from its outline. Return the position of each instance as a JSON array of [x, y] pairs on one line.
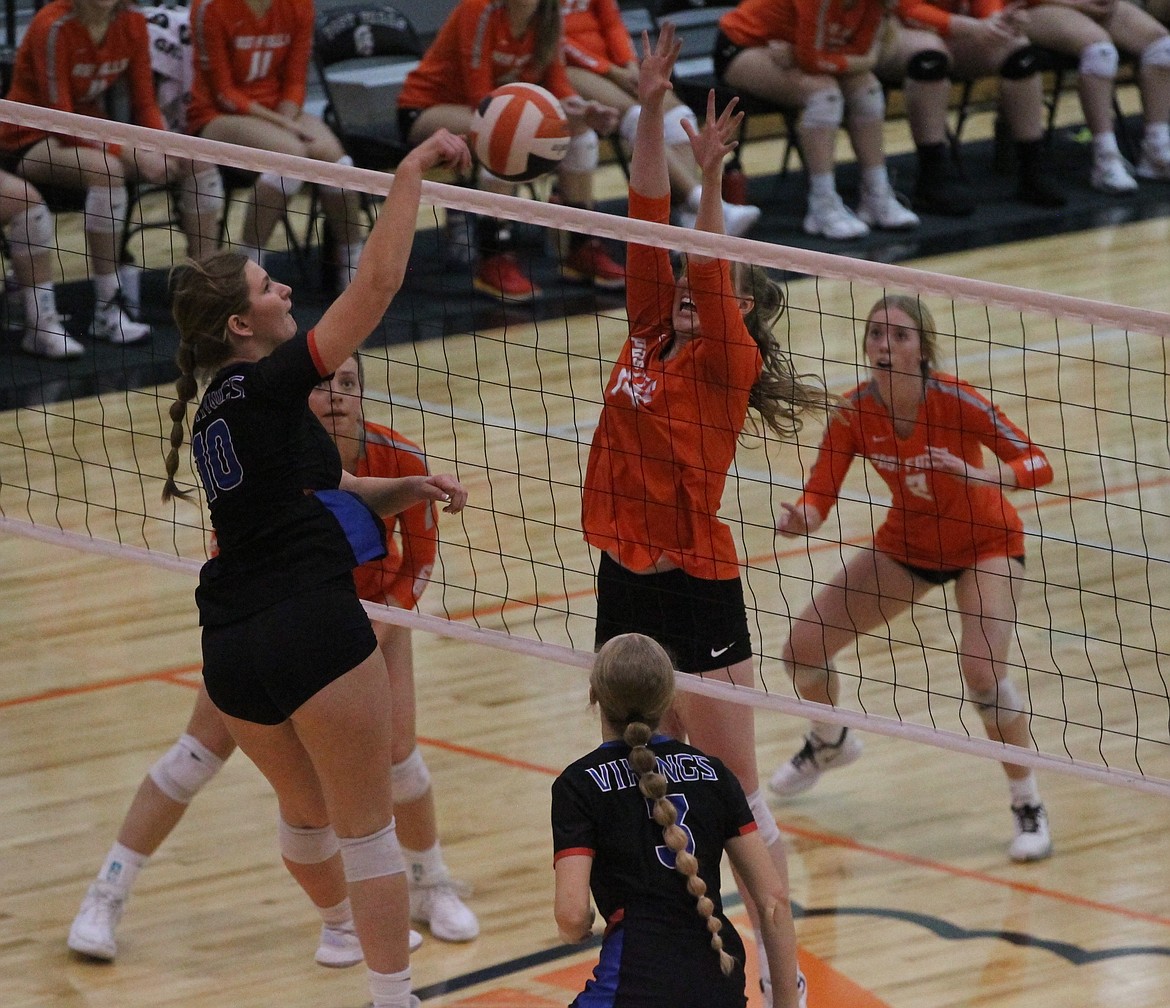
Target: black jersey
[[261, 453], [657, 949]]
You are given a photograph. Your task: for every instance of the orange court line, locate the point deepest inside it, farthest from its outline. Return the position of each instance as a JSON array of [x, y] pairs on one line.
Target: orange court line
[[164, 675]]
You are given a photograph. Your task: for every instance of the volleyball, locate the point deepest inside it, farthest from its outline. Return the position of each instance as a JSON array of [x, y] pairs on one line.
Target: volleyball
[[519, 132]]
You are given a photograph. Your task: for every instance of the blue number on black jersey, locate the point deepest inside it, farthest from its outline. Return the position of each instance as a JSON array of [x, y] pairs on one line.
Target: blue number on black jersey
[[665, 854], [215, 455]]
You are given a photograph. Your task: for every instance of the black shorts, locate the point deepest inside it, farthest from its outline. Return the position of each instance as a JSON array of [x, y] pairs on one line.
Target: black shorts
[[942, 577], [406, 120], [263, 667], [725, 51], [702, 624]]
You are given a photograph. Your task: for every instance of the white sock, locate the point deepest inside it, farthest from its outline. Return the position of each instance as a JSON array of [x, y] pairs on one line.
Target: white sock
[[875, 180], [694, 197], [121, 867], [1157, 135], [1024, 791], [425, 867], [333, 916], [822, 185], [105, 288], [829, 733], [39, 303], [390, 990], [1105, 144]]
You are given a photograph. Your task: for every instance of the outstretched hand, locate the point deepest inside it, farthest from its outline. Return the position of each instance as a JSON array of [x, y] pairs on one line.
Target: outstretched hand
[[796, 521], [442, 148], [715, 139], [657, 64], [444, 489]]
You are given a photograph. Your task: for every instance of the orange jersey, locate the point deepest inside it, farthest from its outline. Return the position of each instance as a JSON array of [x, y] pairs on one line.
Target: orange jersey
[[935, 15], [403, 574], [241, 58], [596, 38], [823, 33], [59, 66], [473, 54], [668, 428], [937, 520]]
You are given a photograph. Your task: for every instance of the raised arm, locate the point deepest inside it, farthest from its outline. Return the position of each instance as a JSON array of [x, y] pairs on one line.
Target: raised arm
[[360, 307], [648, 173]]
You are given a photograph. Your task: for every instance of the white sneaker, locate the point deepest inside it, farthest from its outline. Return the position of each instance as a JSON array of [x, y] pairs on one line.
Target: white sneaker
[[439, 905], [92, 932], [738, 219], [340, 947], [801, 989], [882, 209], [113, 325], [1155, 163], [1111, 174], [49, 339], [1033, 840], [830, 217], [815, 757]]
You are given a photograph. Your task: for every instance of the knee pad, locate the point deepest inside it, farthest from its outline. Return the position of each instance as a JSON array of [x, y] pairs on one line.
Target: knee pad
[[673, 123], [628, 128], [582, 155], [279, 184], [869, 105], [372, 856], [824, 108], [306, 844], [410, 779], [1021, 64], [346, 162], [1002, 702], [928, 65], [105, 209], [765, 820], [184, 769], [203, 191], [32, 228], [1099, 60], [1157, 53]]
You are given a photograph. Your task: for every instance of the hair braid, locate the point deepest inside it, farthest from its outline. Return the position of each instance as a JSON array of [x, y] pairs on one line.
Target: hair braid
[[652, 783]]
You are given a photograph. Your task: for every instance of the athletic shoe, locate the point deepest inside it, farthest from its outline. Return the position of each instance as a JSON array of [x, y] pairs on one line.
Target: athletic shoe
[[590, 263], [439, 905], [1111, 174], [1033, 841], [801, 989], [339, 946], [882, 209], [49, 339], [500, 276], [943, 196], [1155, 163], [815, 757], [738, 219], [113, 325], [92, 932], [460, 238], [830, 217]]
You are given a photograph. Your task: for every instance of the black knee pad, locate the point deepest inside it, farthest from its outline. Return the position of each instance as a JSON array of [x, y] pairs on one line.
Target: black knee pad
[[928, 65], [1023, 63]]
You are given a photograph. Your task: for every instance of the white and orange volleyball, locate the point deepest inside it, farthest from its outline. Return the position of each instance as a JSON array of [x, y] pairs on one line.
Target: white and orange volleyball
[[519, 132]]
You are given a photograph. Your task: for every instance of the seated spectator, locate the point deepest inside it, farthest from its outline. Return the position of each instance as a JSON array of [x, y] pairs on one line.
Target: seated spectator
[[28, 228], [251, 74], [602, 66], [71, 57], [940, 45], [820, 58], [1093, 31], [483, 44]]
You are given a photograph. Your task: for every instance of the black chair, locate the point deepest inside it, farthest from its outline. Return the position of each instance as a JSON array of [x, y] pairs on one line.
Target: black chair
[[1062, 66]]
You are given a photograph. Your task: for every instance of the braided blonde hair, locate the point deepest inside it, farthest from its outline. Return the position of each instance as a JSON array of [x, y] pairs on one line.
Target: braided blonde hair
[[633, 684]]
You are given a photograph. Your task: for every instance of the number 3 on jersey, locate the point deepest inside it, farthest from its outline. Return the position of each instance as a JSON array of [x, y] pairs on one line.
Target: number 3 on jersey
[[215, 456], [665, 854]]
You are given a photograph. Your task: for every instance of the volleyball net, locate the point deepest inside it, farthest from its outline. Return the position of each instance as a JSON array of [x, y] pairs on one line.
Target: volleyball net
[[510, 401]]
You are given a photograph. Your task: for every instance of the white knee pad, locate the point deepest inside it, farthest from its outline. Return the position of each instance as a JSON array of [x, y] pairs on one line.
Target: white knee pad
[[285, 187], [1099, 60], [184, 769], [32, 228], [105, 209], [673, 124], [306, 844], [1157, 53], [765, 820], [824, 108], [410, 779], [583, 153], [869, 105], [372, 856], [345, 161], [203, 191], [628, 128], [1001, 703]]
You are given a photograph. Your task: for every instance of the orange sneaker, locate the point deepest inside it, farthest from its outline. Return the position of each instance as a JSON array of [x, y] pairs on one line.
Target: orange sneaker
[[590, 263], [500, 276]]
